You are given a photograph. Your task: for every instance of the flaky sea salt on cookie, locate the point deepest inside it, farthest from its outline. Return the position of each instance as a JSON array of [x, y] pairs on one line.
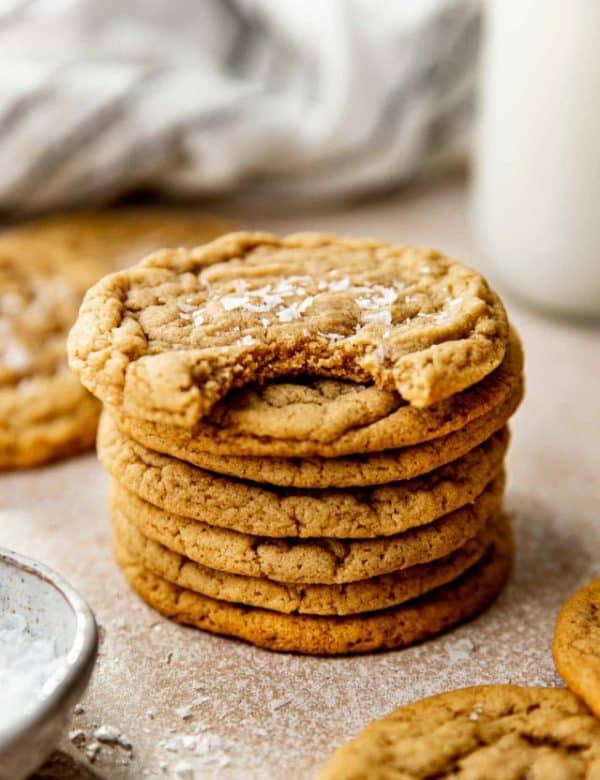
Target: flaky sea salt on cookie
[[167, 339]]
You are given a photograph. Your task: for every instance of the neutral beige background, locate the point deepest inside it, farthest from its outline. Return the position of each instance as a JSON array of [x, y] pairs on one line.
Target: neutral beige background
[[279, 716]]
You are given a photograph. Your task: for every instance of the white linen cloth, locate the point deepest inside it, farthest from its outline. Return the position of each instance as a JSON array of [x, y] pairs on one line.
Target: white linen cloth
[[275, 98]]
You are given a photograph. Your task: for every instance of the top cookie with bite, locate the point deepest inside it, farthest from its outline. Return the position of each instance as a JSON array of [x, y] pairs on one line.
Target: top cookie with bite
[[167, 339]]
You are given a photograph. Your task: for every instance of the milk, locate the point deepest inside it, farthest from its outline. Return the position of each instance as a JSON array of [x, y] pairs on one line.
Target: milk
[[536, 199]]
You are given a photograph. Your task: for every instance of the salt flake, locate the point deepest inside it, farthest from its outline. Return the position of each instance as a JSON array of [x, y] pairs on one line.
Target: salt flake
[[288, 314], [339, 285], [382, 317], [111, 735]]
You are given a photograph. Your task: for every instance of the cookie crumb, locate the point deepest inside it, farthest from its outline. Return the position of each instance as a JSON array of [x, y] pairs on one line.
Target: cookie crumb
[[92, 750], [205, 750], [77, 737], [185, 712], [111, 735], [460, 650]]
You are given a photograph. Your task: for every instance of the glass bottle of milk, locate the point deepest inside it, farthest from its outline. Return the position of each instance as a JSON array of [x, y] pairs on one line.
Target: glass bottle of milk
[[536, 197]]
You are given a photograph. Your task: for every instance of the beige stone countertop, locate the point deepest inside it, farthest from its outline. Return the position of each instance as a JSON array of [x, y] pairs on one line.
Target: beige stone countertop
[[264, 715]]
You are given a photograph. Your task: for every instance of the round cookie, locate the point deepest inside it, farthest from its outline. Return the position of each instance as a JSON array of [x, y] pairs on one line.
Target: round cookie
[[318, 473], [314, 561], [576, 646], [329, 418], [323, 635], [502, 732], [365, 596], [45, 418], [45, 268], [168, 339], [188, 490], [44, 411]]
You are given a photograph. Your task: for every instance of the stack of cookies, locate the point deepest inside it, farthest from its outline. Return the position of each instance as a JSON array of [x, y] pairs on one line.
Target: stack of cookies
[[306, 437]]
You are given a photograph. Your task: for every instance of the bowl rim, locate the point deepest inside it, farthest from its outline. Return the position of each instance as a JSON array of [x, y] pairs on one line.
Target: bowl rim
[[79, 659]]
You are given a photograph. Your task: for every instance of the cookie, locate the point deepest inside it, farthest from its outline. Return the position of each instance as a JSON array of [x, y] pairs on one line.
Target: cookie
[[44, 411], [323, 635], [169, 338], [45, 418], [188, 490], [365, 596], [45, 268], [314, 561], [490, 732], [375, 469], [328, 418], [576, 646]]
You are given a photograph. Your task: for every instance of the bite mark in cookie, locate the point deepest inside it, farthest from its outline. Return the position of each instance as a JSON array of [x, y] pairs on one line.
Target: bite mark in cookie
[[168, 339]]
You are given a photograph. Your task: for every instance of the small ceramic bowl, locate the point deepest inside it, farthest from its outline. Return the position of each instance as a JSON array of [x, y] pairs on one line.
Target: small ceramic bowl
[[52, 608]]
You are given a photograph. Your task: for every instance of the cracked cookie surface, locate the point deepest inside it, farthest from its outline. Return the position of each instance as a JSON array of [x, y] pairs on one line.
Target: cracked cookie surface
[[45, 268], [188, 490], [398, 626], [363, 596], [503, 732], [169, 338], [315, 561], [576, 646], [351, 471]]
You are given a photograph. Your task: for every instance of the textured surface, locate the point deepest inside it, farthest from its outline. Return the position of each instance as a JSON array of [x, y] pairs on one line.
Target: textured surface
[[187, 490], [322, 635], [576, 646], [363, 596], [329, 418], [44, 419], [318, 560], [281, 717], [45, 268], [375, 469], [44, 411], [500, 732], [166, 340]]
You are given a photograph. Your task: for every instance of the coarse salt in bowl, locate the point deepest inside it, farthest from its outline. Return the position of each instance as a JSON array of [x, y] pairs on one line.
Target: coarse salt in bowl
[[48, 645]]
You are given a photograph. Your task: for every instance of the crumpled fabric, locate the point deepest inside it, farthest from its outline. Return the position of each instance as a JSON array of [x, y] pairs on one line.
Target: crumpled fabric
[[270, 99]]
